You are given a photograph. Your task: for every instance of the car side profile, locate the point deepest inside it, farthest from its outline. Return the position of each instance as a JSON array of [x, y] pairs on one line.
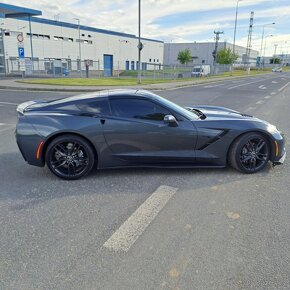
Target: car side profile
[[137, 128]]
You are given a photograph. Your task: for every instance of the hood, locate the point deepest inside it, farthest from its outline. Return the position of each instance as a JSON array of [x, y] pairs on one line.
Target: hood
[[213, 113]]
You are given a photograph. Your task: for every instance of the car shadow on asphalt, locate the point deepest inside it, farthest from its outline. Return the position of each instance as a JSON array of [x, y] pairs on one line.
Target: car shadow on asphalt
[[32, 185]]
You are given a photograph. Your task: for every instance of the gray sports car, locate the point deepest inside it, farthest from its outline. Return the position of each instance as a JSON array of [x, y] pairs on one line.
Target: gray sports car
[[136, 128]]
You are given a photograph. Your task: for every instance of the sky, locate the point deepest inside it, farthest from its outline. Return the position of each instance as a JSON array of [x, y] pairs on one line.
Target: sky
[[179, 20]]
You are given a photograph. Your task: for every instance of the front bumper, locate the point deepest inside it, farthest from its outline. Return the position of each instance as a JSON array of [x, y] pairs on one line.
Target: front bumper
[[281, 160]]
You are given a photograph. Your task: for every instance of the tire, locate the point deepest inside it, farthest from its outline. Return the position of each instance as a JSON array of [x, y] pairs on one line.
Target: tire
[[250, 153], [70, 157]]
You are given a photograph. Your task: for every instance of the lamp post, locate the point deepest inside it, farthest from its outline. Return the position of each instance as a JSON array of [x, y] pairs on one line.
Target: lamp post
[[264, 53], [235, 30], [80, 57], [140, 45], [263, 31]]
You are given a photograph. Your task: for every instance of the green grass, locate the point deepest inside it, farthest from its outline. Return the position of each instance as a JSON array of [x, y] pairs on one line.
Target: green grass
[[98, 82]]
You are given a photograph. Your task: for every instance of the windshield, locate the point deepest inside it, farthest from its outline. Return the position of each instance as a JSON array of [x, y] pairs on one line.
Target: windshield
[[197, 69], [189, 115]]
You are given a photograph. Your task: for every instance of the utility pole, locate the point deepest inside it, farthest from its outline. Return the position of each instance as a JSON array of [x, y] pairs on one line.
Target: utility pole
[[214, 53], [235, 31], [249, 43]]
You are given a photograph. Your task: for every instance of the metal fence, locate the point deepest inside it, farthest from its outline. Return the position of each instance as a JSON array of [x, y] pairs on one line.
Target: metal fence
[[54, 68]]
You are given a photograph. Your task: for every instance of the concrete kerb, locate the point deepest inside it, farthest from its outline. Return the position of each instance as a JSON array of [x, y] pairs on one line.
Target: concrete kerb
[[19, 86]]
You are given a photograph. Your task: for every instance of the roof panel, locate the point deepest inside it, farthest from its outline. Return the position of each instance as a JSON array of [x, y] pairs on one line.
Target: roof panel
[[15, 11]]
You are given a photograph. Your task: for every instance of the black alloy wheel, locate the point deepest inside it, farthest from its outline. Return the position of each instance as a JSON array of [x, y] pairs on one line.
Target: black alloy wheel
[[250, 153], [70, 157]]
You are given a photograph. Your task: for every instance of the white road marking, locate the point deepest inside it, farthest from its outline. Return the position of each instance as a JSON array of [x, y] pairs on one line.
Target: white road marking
[[7, 103], [212, 86], [246, 84], [260, 102], [282, 88], [262, 87], [136, 224], [250, 109], [274, 82], [6, 127], [273, 93], [268, 97]]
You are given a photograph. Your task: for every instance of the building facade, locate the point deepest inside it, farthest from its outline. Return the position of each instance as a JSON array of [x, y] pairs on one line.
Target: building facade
[[202, 53], [54, 44]]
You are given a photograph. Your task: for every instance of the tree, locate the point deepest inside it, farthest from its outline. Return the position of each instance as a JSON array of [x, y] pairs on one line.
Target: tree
[[184, 56], [225, 56], [275, 60]]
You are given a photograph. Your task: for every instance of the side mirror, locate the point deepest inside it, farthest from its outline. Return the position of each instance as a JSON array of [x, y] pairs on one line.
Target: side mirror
[[170, 121]]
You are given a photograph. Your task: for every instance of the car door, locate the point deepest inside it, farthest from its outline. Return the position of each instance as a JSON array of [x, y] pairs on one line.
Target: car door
[[136, 132]]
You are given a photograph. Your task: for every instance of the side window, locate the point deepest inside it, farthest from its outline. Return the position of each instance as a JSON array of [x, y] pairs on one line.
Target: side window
[[138, 109], [97, 107]]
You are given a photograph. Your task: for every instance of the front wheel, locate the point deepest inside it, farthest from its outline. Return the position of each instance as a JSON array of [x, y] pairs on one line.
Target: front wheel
[[250, 153], [69, 157]]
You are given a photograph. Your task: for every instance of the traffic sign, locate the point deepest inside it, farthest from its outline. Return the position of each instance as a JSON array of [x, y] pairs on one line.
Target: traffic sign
[[21, 52], [20, 37]]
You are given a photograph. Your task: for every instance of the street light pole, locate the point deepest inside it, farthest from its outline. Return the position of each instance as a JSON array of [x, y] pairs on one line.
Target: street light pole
[[80, 57], [264, 54], [263, 31], [139, 42]]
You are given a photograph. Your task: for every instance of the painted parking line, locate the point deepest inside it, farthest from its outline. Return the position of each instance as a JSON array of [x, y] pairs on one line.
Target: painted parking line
[[274, 82], [135, 225], [273, 93], [282, 88], [268, 97]]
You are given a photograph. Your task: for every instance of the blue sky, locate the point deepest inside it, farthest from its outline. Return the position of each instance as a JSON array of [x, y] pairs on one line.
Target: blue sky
[[178, 20]]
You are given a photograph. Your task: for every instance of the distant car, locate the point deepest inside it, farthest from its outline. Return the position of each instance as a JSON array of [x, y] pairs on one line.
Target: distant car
[[58, 71], [277, 69], [200, 71], [136, 128]]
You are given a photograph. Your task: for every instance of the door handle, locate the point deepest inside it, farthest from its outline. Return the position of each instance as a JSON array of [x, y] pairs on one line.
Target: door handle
[[103, 121]]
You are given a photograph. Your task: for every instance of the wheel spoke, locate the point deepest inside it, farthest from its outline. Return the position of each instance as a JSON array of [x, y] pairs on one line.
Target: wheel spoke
[[260, 145], [60, 165], [245, 158]]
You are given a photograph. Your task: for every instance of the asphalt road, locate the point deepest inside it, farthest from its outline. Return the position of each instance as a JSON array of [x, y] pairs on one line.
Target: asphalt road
[[149, 228]]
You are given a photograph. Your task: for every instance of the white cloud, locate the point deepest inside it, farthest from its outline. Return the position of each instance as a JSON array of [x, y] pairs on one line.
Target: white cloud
[[121, 15]]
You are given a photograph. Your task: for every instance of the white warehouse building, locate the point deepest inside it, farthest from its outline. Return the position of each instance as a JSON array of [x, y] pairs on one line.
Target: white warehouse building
[[57, 46]]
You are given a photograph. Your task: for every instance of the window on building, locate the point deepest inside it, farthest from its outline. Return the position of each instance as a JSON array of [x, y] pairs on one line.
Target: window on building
[[56, 38], [89, 35], [70, 39], [150, 59], [83, 34], [138, 109], [7, 33]]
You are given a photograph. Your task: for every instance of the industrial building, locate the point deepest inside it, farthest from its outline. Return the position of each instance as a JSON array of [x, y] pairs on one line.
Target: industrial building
[[59, 47], [202, 53]]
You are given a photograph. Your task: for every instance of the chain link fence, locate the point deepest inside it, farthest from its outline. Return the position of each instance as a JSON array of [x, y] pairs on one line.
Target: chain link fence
[[54, 68]]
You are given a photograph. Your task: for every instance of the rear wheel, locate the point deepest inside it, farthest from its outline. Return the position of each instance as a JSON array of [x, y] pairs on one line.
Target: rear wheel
[[250, 153], [69, 157]]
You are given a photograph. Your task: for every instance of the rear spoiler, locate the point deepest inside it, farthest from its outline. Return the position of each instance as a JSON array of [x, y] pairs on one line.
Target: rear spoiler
[[24, 106]]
